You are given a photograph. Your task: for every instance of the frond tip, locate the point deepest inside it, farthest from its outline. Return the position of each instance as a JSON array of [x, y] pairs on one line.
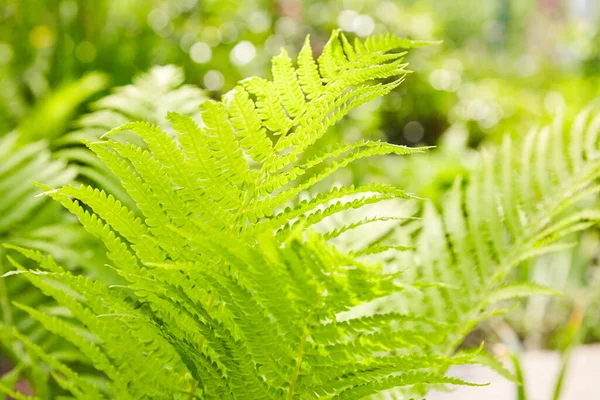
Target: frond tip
[[242, 160]]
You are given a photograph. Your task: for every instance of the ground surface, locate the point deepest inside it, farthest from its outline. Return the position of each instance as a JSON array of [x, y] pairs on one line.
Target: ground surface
[[540, 369]]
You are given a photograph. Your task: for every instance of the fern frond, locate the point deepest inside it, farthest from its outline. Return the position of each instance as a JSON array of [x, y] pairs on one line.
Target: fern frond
[[313, 211], [334, 233], [225, 148], [214, 301], [354, 152], [253, 137], [18, 166], [287, 84], [268, 105], [96, 356], [209, 161], [67, 378], [523, 200], [149, 98], [308, 72]]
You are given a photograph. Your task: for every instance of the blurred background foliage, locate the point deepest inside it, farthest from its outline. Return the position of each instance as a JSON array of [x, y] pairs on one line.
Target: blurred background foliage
[[505, 66]]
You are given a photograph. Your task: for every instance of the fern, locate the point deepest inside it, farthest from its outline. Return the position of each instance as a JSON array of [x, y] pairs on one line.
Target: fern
[[36, 222], [227, 293], [150, 96], [19, 164], [210, 162], [523, 200]]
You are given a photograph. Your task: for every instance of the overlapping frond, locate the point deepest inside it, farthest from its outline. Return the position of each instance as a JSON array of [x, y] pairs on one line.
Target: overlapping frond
[[149, 98], [18, 166], [35, 222], [241, 161], [38, 223], [273, 328], [524, 199], [226, 294]]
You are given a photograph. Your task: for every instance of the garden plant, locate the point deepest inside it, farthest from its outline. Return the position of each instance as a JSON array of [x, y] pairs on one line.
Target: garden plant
[[163, 241]]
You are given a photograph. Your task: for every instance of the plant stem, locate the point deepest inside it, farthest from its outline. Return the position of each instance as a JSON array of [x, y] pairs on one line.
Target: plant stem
[[298, 364]]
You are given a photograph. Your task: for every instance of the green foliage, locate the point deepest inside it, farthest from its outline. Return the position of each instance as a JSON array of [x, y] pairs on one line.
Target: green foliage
[[26, 155], [18, 166], [482, 82], [37, 222], [51, 117], [215, 304], [226, 290], [148, 98], [523, 201]]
